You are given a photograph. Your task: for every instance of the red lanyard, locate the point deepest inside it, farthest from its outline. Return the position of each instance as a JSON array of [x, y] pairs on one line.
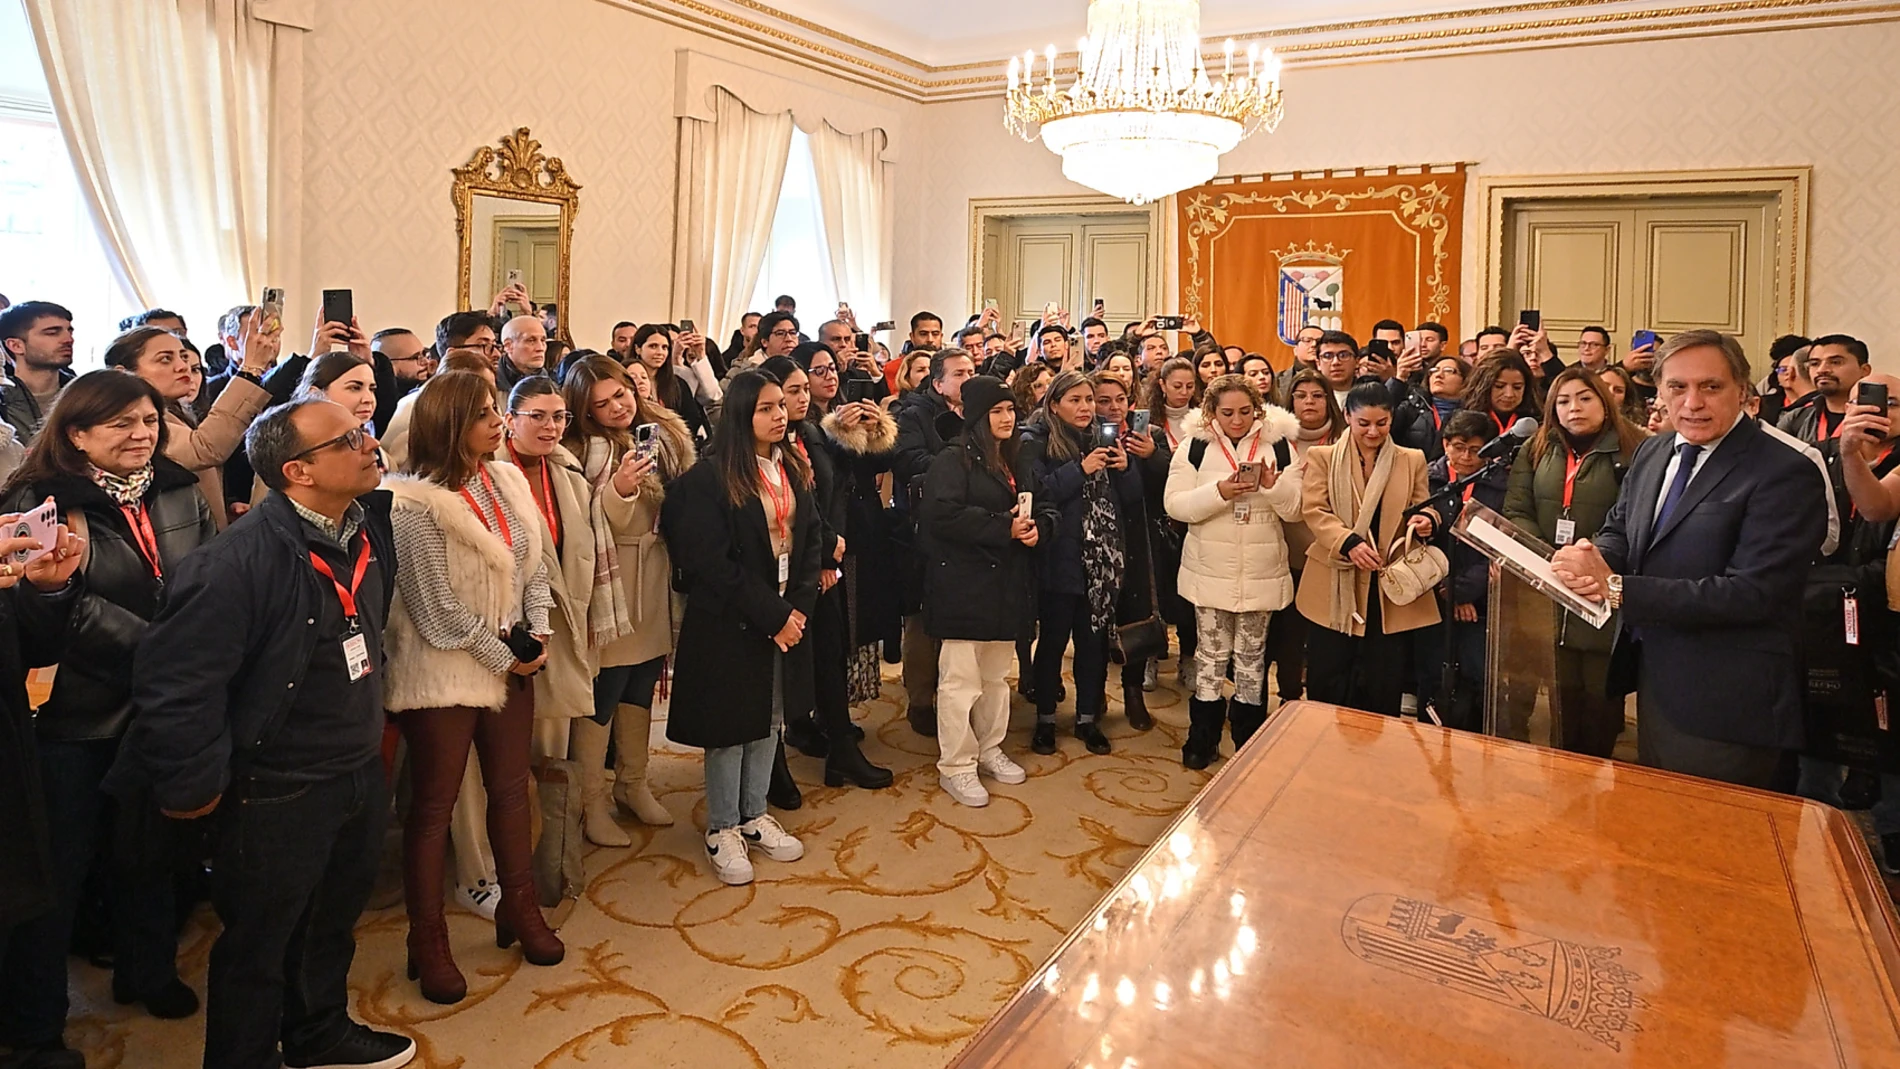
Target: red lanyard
[[1438, 421], [139, 518], [346, 596], [1173, 442], [781, 507], [800, 443], [1219, 440], [1011, 476], [1572, 465], [1821, 433], [550, 508], [501, 517], [1499, 420]]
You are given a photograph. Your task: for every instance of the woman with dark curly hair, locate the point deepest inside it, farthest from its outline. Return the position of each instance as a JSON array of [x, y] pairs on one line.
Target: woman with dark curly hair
[[1500, 387]]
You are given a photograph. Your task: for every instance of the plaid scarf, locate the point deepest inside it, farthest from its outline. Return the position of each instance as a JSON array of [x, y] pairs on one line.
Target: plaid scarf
[[124, 490], [609, 617]]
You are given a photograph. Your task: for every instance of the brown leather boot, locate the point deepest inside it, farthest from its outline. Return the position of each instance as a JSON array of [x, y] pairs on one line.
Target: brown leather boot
[[519, 914], [431, 961]]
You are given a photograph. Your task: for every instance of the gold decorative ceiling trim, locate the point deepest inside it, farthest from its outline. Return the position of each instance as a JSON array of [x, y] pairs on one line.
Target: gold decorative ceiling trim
[[922, 83]]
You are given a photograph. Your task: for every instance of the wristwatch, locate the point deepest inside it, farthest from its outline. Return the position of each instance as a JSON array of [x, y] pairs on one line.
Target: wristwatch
[[1614, 597]]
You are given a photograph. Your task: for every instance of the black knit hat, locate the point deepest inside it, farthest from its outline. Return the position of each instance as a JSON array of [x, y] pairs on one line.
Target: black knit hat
[[982, 393]]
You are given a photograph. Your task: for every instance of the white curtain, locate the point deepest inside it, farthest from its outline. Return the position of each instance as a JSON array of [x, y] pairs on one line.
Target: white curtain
[[854, 190], [166, 107], [730, 171]]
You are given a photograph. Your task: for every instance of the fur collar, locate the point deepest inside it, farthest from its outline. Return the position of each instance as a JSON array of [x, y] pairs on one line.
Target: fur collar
[[1275, 424], [865, 439], [451, 513]]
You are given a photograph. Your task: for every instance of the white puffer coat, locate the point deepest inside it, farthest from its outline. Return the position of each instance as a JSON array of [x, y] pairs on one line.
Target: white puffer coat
[[1226, 564]]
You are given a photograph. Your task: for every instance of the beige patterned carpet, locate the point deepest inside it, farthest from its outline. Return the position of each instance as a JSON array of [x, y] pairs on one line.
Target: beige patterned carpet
[[909, 921]]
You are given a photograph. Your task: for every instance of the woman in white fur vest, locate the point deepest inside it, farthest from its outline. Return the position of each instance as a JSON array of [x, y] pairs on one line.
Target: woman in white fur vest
[[630, 446], [463, 641], [1235, 484]]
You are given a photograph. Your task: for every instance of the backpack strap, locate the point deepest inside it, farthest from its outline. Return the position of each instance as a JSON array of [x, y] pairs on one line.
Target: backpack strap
[[1282, 455], [1197, 450]]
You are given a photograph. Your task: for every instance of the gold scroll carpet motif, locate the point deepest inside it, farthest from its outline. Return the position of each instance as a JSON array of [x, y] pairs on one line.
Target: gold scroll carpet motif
[[909, 921]]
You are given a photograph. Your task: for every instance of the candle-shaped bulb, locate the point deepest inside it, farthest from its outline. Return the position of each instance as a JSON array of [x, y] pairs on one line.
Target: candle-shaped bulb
[[1015, 71]]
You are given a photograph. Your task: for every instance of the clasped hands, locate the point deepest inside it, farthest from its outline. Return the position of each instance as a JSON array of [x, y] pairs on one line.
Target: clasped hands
[[1582, 568]]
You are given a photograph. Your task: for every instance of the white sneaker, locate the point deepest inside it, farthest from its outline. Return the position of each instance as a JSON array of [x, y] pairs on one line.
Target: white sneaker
[[965, 788], [766, 835], [1000, 768], [1150, 676], [1408, 704], [726, 850], [480, 899]]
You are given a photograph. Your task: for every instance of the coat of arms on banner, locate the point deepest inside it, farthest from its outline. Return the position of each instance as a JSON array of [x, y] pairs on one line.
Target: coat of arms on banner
[[1312, 288]]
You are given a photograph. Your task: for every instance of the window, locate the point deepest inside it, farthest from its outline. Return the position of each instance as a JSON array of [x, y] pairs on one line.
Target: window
[[49, 247], [796, 259]]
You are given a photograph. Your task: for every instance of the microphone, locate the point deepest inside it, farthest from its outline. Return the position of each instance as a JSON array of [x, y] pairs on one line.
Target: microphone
[[1519, 433]]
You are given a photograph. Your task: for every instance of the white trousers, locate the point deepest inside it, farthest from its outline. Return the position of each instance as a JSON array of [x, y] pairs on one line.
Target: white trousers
[[972, 702]]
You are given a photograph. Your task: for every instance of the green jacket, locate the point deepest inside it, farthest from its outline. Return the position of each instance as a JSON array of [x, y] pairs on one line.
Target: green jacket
[[1535, 501]]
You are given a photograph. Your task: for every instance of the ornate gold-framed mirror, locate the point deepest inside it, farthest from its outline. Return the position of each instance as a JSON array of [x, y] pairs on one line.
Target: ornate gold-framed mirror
[[514, 212]]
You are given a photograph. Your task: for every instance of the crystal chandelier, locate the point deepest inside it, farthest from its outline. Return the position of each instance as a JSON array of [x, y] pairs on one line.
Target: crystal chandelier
[[1143, 118]]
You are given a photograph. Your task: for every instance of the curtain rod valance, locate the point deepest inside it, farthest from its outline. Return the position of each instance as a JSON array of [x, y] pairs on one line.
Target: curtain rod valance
[[696, 75]]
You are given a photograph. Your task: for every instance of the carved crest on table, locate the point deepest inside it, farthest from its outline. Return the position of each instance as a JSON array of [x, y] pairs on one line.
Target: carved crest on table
[[1577, 986]]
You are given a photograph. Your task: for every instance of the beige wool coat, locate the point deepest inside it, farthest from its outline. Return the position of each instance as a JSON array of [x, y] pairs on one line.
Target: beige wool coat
[[646, 567], [565, 688], [1407, 486], [202, 450]]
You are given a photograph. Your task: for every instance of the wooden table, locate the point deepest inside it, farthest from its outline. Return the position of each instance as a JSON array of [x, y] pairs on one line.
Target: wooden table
[[1367, 892]]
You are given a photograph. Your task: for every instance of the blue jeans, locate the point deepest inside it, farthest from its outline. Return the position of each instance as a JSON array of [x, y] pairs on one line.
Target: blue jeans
[[737, 778]]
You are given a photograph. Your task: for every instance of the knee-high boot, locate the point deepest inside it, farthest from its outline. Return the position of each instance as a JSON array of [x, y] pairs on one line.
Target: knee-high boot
[[633, 729], [519, 914], [1205, 720], [1244, 720], [587, 747]]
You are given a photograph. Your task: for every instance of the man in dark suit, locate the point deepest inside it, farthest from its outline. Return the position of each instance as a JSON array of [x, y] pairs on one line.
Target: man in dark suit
[[1706, 552]]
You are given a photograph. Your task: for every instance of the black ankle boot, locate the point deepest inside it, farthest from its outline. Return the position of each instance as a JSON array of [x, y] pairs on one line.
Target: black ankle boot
[[1091, 735], [847, 764], [802, 734], [1205, 720], [782, 792], [1244, 720], [1136, 706], [1043, 741], [923, 721]]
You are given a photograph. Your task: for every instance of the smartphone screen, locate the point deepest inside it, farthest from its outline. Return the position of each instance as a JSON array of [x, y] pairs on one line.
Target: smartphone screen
[[1248, 474], [1531, 317], [1108, 435]]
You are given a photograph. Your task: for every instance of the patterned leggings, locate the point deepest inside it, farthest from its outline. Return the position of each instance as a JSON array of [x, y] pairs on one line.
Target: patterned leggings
[[1240, 637]]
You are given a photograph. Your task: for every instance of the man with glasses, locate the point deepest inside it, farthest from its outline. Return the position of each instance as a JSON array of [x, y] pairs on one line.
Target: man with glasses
[[1337, 358], [412, 361], [1593, 349], [467, 330], [260, 699]]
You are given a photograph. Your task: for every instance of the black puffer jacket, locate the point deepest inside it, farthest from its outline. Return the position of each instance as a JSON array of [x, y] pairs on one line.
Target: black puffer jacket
[[92, 692], [32, 635], [980, 583]]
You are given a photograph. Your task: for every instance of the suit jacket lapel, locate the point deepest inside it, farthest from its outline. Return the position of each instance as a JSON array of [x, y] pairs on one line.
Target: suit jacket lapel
[[1714, 470], [1643, 486]]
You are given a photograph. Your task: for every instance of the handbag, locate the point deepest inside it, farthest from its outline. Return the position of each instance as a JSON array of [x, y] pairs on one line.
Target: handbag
[[1135, 642], [1412, 568]]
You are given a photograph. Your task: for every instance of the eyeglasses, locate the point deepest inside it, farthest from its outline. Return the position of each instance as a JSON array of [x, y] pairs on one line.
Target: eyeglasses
[[542, 419], [1336, 356], [784, 332], [351, 440], [824, 369]]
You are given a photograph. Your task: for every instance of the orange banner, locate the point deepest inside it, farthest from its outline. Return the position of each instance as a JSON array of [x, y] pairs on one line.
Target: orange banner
[[1260, 259]]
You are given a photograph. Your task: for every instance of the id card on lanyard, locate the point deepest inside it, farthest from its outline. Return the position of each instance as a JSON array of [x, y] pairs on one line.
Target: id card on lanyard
[[781, 495], [1243, 509], [355, 642], [1567, 527]]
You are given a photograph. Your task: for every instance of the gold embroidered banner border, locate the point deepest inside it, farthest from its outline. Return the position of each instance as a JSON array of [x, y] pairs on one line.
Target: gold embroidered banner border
[[1346, 248]]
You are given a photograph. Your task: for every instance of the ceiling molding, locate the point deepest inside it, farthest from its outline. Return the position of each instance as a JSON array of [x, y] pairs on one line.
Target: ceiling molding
[[1504, 27]]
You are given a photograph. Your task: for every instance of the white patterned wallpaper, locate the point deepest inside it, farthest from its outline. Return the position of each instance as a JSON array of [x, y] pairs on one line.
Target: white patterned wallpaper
[[1822, 97], [398, 93]]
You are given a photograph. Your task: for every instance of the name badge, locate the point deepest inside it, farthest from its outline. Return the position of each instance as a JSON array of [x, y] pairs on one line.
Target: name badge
[[356, 655], [1566, 531], [785, 567], [1850, 617], [1243, 512]]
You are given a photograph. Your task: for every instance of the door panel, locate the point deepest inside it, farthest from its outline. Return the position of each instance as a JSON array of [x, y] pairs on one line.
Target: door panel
[[1115, 271], [1667, 264], [1045, 270], [1068, 259]]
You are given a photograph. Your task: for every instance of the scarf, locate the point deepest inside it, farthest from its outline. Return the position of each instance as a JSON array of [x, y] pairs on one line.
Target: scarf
[[1345, 484], [1445, 406], [124, 490], [1101, 548], [608, 616]]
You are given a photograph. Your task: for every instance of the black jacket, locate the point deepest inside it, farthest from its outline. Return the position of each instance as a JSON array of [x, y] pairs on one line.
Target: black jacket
[[1415, 423], [221, 665], [1716, 591], [980, 583], [919, 436], [830, 488], [92, 694], [722, 666], [18, 407], [32, 635], [1059, 484], [1470, 570]]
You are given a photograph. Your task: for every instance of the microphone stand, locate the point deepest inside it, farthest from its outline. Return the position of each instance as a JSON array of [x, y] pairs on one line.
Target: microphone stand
[[1447, 503]]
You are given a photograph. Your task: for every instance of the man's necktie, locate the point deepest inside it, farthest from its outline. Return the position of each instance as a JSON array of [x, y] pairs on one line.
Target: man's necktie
[[1684, 471]]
